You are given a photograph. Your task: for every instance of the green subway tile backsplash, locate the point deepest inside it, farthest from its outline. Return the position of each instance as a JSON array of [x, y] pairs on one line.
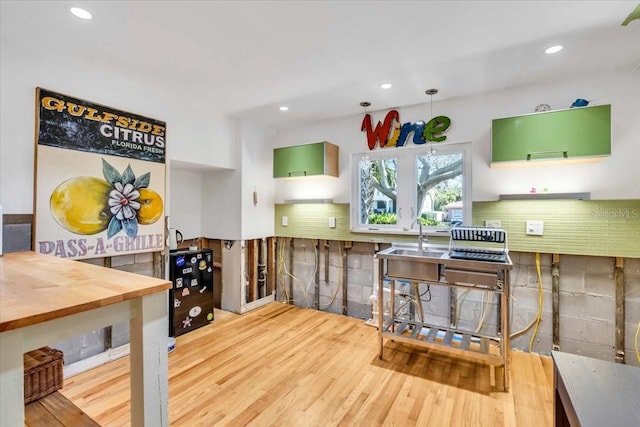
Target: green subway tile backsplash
[[311, 221], [577, 227]]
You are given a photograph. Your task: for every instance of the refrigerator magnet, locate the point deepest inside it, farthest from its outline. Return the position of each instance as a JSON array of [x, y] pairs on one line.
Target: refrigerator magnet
[[195, 311]]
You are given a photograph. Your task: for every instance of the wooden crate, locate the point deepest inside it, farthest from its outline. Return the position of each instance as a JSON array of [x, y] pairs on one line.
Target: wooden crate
[[42, 373]]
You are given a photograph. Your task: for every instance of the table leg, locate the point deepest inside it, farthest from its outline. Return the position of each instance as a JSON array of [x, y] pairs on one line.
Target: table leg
[[149, 361], [380, 305], [505, 329], [11, 379]]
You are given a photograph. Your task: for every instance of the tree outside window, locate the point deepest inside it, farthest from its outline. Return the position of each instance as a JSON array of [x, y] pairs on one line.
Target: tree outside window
[[394, 187]]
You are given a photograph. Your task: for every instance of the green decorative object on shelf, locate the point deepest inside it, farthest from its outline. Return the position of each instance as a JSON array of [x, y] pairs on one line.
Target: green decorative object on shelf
[[572, 135], [635, 14], [319, 158]]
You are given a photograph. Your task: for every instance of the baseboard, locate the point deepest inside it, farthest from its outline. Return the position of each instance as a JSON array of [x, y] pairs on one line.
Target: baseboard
[[257, 303], [95, 361]]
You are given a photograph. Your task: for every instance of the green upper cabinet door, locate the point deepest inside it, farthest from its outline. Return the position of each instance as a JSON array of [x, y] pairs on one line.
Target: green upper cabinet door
[[576, 134], [319, 158]]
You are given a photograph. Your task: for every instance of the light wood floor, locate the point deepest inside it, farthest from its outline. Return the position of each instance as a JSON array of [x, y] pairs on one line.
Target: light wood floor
[[286, 366]]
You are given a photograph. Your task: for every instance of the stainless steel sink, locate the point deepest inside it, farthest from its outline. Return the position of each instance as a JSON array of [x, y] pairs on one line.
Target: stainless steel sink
[[415, 252], [412, 263]]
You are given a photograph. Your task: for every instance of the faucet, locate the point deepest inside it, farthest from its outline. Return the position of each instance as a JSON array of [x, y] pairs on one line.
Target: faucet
[[421, 238]]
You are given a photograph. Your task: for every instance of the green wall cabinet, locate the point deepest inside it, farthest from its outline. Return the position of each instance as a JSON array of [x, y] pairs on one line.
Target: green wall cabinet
[[319, 158], [575, 134]]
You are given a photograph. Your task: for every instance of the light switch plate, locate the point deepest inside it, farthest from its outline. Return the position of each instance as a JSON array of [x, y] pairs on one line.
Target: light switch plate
[[535, 228], [285, 221], [332, 222]]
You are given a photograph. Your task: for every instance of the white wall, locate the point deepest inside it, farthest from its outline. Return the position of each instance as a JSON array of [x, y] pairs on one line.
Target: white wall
[[613, 178], [194, 133], [257, 175], [218, 203], [185, 192], [221, 218]]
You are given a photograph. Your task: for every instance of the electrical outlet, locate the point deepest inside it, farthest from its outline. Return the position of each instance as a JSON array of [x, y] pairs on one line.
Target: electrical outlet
[[332, 222], [495, 223], [535, 228], [285, 221]]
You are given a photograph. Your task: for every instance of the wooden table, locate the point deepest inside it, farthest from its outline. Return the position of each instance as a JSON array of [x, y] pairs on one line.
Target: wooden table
[[592, 392], [45, 299]]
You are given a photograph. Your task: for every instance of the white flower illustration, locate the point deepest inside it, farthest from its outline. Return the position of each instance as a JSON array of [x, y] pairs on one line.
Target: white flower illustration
[[122, 201]]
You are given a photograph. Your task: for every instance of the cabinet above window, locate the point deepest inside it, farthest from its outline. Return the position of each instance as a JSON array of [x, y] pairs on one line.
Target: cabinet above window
[[572, 135], [319, 158]]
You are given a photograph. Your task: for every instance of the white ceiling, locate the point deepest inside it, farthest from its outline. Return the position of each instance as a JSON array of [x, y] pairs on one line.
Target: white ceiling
[[321, 58]]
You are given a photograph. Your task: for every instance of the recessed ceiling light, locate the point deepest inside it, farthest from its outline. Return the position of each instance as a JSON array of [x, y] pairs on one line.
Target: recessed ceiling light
[[385, 86], [553, 49], [284, 108], [80, 13]]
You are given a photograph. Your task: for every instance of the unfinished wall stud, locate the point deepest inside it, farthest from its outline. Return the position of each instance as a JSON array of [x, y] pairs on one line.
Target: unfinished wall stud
[[271, 265], [317, 276], [619, 280], [453, 306], [555, 292], [345, 277], [252, 271], [291, 249], [326, 261]]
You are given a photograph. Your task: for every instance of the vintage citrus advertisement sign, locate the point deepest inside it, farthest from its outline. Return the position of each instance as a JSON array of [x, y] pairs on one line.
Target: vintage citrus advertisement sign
[[100, 179]]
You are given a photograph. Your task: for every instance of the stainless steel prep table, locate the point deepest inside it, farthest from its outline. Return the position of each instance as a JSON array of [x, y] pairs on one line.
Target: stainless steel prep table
[[469, 274]]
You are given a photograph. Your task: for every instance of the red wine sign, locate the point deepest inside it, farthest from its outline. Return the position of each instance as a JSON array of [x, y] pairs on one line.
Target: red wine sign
[[391, 133]]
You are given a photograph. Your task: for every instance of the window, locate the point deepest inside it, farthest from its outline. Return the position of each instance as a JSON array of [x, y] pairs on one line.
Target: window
[[394, 187], [377, 188]]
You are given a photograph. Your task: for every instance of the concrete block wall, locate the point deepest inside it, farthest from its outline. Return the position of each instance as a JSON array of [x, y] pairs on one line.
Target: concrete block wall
[[359, 272], [303, 271], [16, 237], [360, 280], [331, 297], [587, 306], [471, 306], [632, 309], [525, 297], [587, 298]]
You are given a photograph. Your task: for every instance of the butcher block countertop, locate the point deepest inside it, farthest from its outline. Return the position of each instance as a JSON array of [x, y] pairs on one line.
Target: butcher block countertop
[[35, 288]]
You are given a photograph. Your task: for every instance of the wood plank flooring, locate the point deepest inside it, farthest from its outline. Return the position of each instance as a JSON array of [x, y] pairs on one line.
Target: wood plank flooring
[[55, 410], [287, 366]]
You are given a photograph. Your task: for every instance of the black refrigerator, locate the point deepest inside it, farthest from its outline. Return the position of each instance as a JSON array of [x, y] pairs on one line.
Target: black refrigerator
[[191, 298]]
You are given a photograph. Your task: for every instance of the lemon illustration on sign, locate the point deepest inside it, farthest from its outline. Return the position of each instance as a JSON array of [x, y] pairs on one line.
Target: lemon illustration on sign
[[150, 206], [80, 206]]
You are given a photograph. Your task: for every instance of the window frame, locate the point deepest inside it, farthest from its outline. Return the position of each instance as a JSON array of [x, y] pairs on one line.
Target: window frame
[[406, 196]]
